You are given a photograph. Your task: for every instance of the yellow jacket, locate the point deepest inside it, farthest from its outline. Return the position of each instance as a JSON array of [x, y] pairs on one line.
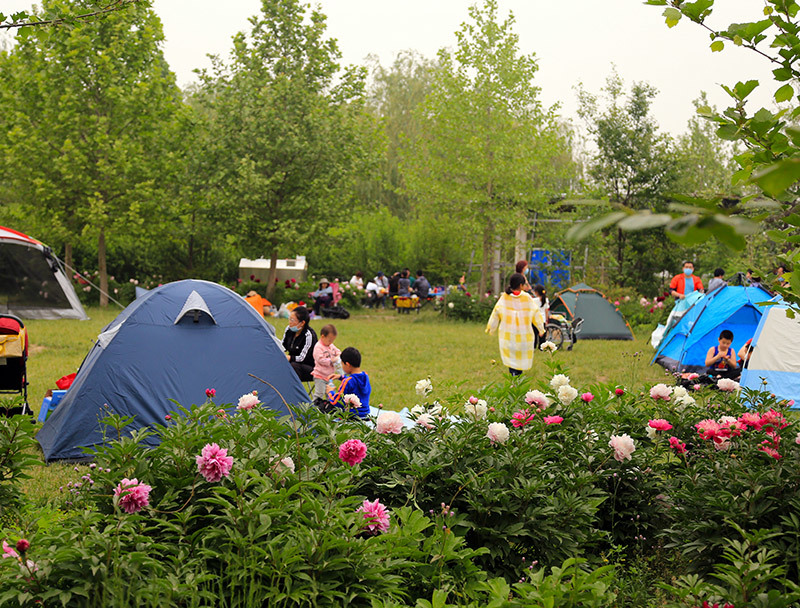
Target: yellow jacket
[[514, 316]]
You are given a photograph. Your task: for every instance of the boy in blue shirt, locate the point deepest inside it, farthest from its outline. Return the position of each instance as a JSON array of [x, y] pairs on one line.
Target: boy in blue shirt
[[354, 382]]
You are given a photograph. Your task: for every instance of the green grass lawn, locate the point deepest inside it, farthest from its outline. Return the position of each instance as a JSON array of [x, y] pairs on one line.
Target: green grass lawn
[[397, 351]]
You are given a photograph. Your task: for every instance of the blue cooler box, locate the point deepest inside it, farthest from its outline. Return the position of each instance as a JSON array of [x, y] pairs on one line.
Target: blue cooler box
[[50, 403]]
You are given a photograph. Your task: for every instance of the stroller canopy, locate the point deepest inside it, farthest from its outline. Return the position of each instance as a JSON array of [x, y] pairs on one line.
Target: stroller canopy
[[32, 283], [685, 346], [776, 356], [172, 343], [601, 319]]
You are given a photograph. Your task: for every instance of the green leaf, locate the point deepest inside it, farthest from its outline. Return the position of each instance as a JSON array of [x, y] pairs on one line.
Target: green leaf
[[589, 227], [777, 177], [729, 132], [644, 220], [697, 11], [782, 74], [785, 93], [673, 16], [717, 46], [743, 89]]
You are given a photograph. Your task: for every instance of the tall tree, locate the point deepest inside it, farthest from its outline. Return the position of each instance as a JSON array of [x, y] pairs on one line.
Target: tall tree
[[289, 128], [633, 165], [488, 141], [84, 111]]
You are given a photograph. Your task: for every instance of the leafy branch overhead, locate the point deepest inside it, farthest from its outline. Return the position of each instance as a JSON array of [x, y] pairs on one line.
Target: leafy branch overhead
[[770, 160], [22, 19]]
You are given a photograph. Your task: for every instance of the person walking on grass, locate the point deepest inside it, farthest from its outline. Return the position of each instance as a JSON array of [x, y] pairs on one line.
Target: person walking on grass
[[515, 316]]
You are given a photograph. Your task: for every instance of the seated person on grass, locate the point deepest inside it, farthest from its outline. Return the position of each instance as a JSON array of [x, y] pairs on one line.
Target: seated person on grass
[[721, 359], [354, 382]]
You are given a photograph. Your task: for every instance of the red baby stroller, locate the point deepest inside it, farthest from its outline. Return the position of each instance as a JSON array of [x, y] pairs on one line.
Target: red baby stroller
[[13, 360]]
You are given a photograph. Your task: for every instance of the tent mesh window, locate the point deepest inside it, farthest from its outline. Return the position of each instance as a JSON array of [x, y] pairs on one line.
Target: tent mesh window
[[27, 279]]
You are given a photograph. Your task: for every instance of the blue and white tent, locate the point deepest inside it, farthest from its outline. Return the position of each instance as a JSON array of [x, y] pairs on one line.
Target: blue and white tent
[[685, 346], [775, 356], [171, 343]]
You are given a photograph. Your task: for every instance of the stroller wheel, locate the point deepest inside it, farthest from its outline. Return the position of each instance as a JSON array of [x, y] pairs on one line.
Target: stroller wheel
[[555, 334]]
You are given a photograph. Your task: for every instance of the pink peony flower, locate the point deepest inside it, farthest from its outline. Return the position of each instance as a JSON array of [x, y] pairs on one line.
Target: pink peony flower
[[587, 397], [797, 439], [661, 391], [497, 432], [709, 429], [659, 424], [693, 376], [352, 451], [376, 515], [623, 446], [389, 422], [210, 393], [677, 445], [132, 495], [473, 400], [352, 401], [772, 421], [214, 463], [697, 387], [248, 401], [722, 443], [616, 302], [284, 464], [553, 420], [537, 398], [727, 385], [522, 418], [771, 451], [425, 420], [619, 392], [8, 551]]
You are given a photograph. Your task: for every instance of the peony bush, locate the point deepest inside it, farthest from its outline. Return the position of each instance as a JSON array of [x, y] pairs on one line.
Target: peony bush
[[486, 498]]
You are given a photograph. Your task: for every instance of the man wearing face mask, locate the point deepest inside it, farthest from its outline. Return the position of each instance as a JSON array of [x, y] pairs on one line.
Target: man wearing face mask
[[685, 287]]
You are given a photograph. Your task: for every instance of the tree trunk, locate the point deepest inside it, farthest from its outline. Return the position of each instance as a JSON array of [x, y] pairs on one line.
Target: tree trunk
[[496, 268], [487, 252], [190, 253], [620, 254], [520, 244], [101, 266], [68, 259], [272, 277]]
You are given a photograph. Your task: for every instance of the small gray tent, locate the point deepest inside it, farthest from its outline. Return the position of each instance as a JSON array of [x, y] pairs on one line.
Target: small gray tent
[[601, 319], [172, 343], [32, 283]]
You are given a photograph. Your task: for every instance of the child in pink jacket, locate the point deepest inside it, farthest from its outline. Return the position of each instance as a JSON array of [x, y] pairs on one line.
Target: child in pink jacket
[[327, 365]]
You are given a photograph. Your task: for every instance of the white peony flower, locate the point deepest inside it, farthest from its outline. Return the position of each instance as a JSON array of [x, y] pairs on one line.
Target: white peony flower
[[567, 394], [424, 387], [352, 401], [389, 422], [417, 410], [537, 398], [661, 391], [248, 401], [498, 432], [559, 380], [651, 432], [450, 305], [727, 385], [548, 347], [476, 410], [623, 446], [425, 420], [679, 392]]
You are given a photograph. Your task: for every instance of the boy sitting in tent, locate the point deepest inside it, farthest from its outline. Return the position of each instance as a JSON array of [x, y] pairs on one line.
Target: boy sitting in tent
[[721, 359]]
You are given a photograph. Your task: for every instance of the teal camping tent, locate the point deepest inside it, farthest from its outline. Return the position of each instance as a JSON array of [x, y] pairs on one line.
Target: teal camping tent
[[601, 319]]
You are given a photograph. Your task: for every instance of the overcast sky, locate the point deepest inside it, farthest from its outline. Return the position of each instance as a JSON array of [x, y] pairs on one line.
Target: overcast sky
[[574, 41]]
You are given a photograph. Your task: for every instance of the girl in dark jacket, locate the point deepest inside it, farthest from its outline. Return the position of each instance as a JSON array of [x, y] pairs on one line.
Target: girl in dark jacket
[[298, 341]]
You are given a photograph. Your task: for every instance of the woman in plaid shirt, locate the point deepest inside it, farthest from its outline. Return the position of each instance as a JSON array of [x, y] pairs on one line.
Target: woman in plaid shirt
[[515, 315]]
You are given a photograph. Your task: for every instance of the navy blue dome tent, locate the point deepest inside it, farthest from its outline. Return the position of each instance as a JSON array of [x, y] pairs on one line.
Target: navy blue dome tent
[[684, 347], [172, 343]]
